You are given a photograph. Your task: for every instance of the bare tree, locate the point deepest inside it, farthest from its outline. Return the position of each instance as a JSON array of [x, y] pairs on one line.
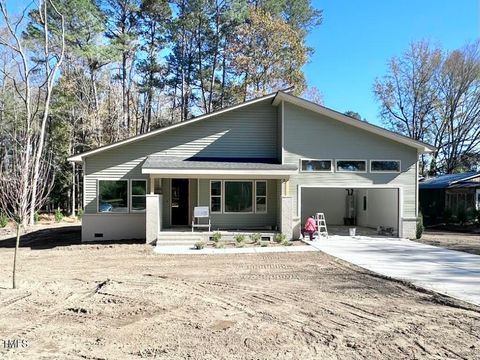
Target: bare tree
[[15, 198], [27, 69], [407, 94]]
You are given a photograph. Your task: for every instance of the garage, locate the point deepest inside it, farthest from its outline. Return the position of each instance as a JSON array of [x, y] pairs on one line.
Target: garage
[[370, 210]]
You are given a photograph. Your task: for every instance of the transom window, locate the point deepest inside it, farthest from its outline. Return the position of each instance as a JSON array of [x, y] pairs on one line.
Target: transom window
[[312, 165], [238, 196], [139, 191], [112, 196], [385, 166], [351, 165]]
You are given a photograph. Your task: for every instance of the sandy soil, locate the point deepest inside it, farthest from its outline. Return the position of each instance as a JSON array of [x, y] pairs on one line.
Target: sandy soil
[[466, 242], [122, 301]]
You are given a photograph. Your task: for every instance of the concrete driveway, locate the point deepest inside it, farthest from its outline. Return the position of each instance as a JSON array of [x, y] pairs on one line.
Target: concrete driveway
[[449, 272]]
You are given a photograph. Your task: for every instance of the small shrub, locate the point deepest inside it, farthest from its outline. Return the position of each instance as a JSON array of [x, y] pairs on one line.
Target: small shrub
[[3, 220], [286, 243], [462, 216], [36, 217], [239, 238], [255, 238], [420, 227], [447, 215], [240, 244], [216, 237], [80, 213], [58, 215], [263, 243], [219, 245], [280, 238], [199, 245]]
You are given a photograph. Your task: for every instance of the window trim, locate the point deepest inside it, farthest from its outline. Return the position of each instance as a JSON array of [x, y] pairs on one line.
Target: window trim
[[98, 197], [261, 196], [351, 172], [220, 196], [253, 197], [386, 171], [316, 171], [131, 196]]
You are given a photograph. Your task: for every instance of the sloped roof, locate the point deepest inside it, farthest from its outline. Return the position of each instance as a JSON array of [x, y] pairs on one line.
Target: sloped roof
[[276, 97], [156, 164], [445, 181]]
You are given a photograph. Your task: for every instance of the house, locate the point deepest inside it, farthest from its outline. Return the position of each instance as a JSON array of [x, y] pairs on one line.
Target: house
[[455, 192], [264, 164]]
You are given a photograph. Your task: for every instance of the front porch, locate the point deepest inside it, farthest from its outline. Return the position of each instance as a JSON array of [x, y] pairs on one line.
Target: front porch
[[241, 198]]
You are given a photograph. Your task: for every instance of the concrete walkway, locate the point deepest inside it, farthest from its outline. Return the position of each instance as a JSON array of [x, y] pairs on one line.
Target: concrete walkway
[[449, 272], [188, 250]]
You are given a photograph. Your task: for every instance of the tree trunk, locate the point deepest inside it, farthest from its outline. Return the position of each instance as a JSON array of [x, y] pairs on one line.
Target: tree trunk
[[17, 245]]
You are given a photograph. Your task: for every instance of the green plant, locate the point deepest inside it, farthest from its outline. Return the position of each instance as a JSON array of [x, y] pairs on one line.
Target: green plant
[[216, 236], [58, 215], [240, 244], [199, 245], [36, 217], [255, 238], [286, 243], [219, 245], [420, 227], [80, 213], [280, 238], [264, 243], [239, 238], [3, 220]]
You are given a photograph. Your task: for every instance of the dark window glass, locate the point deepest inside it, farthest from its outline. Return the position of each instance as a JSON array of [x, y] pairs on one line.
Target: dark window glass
[[385, 165], [351, 165], [238, 196], [113, 196], [316, 165]]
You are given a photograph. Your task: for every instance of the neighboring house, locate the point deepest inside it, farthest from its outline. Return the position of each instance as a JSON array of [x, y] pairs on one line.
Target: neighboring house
[[265, 164], [455, 192]]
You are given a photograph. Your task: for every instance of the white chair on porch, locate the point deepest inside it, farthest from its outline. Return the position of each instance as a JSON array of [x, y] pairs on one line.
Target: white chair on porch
[[199, 213]]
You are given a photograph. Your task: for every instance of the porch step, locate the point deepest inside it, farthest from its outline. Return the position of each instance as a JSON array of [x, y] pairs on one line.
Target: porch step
[[179, 238]]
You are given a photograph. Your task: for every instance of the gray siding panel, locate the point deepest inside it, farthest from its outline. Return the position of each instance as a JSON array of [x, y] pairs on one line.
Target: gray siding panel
[[248, 132], [310, 135]]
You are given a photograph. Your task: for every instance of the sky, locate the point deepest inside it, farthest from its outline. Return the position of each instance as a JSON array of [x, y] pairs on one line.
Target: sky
[[357, 38]]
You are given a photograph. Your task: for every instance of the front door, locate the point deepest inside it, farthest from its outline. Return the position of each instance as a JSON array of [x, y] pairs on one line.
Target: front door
[[179, 201]]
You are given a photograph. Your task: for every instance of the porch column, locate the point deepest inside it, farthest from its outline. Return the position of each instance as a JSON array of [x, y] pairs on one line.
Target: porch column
[[153, 217], [286, 219]]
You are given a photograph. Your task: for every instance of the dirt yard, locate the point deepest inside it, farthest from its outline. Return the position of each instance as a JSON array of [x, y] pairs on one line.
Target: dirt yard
[[466, 242], [122, 301]]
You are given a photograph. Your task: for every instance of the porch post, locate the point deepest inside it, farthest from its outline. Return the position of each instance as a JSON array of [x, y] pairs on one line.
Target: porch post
[[153, 217], [286, 219]]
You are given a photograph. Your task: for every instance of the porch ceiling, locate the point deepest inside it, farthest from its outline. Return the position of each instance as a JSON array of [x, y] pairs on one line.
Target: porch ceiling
[[168, 166]]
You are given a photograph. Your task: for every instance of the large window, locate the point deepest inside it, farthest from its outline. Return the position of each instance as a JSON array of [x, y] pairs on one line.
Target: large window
[[238, 196], [351, 165], [310, 165], [216, 196], [139, 190], [113, 196], [260, 196], [385, 166]]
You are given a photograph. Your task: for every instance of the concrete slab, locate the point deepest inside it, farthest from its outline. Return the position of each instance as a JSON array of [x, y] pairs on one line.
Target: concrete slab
[[187, 250], [449, 272]]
